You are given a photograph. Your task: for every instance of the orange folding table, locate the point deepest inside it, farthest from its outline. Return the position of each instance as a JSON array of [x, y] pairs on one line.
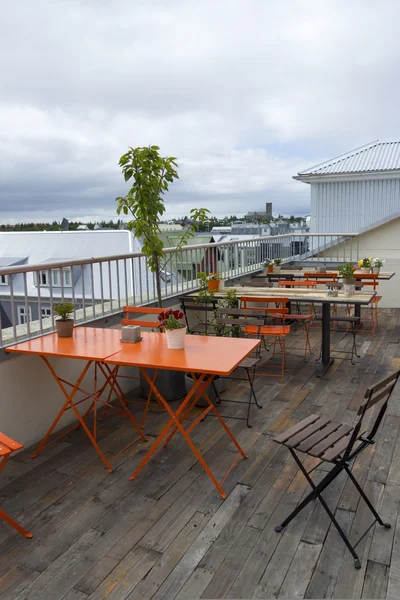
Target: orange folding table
[[204, 358], [92, 345]]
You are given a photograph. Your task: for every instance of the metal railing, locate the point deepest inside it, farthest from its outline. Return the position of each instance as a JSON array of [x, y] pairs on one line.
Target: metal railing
[[100, 287]]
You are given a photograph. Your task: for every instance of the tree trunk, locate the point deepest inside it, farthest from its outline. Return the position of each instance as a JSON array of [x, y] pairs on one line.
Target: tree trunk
[[158, 284]]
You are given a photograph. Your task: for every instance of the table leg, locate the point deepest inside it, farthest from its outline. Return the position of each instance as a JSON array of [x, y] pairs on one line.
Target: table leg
[[326, 359], [176, 422]]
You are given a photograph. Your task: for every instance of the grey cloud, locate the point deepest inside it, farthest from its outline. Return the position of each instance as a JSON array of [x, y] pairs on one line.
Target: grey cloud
[[233, 89]]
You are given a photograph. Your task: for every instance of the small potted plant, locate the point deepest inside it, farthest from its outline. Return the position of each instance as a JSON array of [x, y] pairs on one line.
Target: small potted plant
[[213, 280], [365, 265], [65, 324], [277, 265], [175, 332], [346, 272], [268, 266], [377, 263]]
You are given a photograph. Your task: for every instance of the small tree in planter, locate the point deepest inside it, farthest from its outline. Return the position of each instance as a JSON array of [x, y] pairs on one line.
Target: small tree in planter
[[151, 176], [65, 324]]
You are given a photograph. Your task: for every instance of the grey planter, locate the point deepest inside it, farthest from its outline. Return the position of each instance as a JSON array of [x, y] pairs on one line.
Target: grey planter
[[170, 384], [220, 385], [65, 328], [349, 281]]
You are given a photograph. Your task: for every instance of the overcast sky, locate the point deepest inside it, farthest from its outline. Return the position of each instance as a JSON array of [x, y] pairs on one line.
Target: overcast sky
[[244, 93]]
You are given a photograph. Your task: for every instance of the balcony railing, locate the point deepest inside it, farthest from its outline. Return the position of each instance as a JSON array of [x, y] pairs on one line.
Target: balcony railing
[[100, 287]]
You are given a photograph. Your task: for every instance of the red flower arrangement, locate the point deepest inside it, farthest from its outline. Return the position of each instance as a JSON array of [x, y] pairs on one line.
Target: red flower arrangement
[[169, 319]]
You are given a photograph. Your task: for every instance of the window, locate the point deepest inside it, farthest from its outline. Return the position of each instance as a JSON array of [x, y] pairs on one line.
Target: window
[[43, 278], [22, 318], [3, 279], [46, 312]]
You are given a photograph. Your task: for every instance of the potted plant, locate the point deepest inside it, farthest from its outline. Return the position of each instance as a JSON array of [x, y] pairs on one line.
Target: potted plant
[[377, 263], [365, 265], [65, 324], [213, 281], [175, 332], [268, 266], [277, 265], [346, 272]]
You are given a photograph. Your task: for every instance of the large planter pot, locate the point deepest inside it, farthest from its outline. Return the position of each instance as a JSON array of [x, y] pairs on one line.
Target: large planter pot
[[277, 269], [65, 329], [365, 270], [349, 281], [176, 338], [376, 270], [219, 383], [170, 384], [213, 285]]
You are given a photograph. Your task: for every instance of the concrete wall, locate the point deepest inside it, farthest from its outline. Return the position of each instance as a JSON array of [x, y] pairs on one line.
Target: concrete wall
[[383, 242]]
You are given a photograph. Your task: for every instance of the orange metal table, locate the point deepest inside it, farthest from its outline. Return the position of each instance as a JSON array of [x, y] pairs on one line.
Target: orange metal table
[[92, 345], [204, 357]]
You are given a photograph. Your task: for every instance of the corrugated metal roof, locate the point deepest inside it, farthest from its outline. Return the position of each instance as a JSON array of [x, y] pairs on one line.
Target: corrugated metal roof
[[377, 156]]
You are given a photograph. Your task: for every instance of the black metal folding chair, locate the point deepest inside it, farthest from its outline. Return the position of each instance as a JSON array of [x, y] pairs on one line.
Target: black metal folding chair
[[339, 445]]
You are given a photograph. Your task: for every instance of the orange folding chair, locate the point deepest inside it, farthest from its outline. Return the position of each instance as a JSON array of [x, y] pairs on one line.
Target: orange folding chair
[[277, 332], [305, 319], [129, 321], [371, 319], [7, 447]]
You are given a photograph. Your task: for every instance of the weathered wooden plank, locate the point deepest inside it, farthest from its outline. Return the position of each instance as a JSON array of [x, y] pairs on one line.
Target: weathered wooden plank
[[300, 571], [376, 580], [386, 441], [381, 546], [197, 550], [195, 585], [229, 567], [327, 570], [96, 575]]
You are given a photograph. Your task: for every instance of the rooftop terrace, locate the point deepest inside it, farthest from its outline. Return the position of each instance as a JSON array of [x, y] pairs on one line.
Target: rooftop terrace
[[169, 534]]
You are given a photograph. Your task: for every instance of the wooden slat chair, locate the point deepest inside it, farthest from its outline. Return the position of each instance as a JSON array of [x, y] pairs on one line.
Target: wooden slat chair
[[191, 306], [337, 444], [277, 332], [229, 323], [7, 447], [129, 320], [306, 318]]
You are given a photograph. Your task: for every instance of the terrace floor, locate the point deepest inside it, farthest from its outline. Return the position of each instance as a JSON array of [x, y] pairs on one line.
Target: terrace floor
[[169, 535]]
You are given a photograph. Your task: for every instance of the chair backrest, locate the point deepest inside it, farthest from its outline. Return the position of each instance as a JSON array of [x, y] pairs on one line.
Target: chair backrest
[[365, 279], [298, 284], [380, 392], [321, 278], [279, 302], [236, 318], [140, 310]]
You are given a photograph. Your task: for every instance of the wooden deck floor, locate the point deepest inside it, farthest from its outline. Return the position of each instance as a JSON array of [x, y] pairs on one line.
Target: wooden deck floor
[[169, 535]]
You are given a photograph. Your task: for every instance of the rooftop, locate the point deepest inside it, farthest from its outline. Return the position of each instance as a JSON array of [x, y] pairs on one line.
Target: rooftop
[[374, 157], [169, 535]]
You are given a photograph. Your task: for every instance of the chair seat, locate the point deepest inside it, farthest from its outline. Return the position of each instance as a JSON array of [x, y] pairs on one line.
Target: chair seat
[[317, 436], [268, 329], [295, 317], [348, 319], [376, 299], [249, 363]]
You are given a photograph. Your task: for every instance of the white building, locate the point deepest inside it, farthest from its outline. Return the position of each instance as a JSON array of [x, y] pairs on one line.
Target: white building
[[355, 190], [75, 282], [359, 192]]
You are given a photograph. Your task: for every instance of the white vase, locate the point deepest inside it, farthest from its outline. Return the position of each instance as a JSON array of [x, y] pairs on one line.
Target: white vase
[[277, 269], [376, 269], [176, 338], [365, 269]]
